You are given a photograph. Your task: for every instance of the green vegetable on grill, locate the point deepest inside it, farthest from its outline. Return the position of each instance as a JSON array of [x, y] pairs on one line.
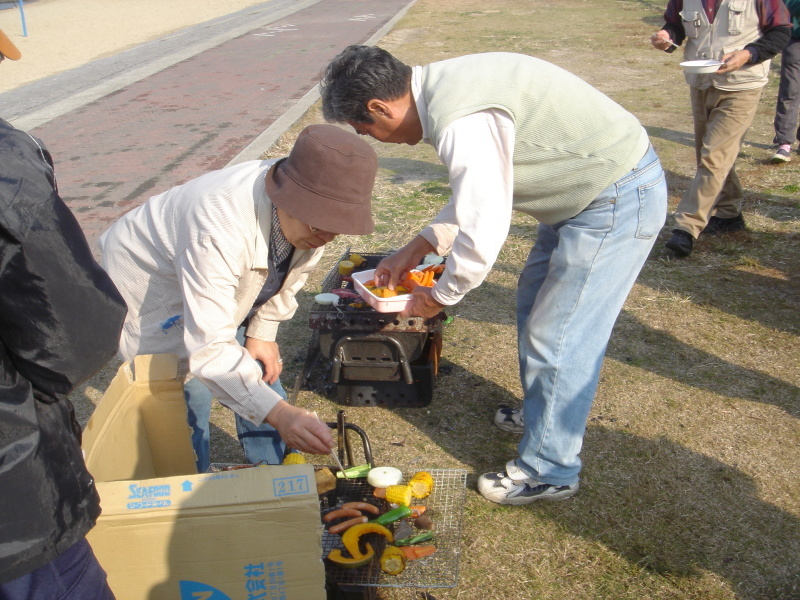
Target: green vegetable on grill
[[393, 515], [417, 539], [354, 472]]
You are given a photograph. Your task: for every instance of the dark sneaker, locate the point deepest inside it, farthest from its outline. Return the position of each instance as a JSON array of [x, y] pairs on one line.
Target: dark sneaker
[[718, 225], [516, 489], [509, 419], [680, 243], [782, 155]]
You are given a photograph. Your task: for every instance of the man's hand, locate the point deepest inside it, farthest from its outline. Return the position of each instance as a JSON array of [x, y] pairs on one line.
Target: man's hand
[[734, 60], [422, 304], [661, 40], [300, 429], [392, 269], [269, 354]]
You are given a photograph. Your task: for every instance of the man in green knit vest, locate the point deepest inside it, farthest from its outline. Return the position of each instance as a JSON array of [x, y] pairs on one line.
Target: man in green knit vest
[[518, 133]]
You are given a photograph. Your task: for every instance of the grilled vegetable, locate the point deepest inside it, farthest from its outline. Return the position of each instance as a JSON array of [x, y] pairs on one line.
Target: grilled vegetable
[[415, 552], [393, 515], [417, 539], [399, 494], [336, 556], [294, 459], [384, 292], [403, 529], [393, 560], [421, 484], [354, 472], [423, 522], [350, 538], [357, 259], [381, 477], [325, 480], [346, 267]]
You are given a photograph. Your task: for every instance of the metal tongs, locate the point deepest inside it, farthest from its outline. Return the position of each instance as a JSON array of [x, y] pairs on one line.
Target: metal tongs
[[333, 452]]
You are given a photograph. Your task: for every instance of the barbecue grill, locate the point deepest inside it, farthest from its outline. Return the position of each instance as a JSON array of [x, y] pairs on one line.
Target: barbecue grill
[[444, 505], [376, 359], [440, 570]]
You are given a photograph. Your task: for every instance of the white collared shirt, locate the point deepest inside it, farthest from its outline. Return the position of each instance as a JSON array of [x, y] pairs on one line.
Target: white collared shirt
[[190, 263], [478, 151]]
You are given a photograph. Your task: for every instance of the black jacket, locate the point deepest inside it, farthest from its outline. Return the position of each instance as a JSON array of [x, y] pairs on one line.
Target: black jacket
[[60, 320]]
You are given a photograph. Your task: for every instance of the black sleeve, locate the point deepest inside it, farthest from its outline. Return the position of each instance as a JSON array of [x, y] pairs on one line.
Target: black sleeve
[[60, 314], [771, 43]]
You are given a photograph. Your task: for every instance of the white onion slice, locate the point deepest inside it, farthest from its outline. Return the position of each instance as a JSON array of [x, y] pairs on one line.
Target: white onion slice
[[381, 477]]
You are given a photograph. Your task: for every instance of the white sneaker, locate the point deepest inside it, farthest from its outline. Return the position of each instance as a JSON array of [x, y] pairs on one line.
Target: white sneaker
[[782, 155], [510, 419], [513, 487]]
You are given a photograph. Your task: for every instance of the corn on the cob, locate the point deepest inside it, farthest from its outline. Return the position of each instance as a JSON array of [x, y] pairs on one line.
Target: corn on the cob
[[346, 267], [421, 484], [399, 494], [294, 459], [393, 560]]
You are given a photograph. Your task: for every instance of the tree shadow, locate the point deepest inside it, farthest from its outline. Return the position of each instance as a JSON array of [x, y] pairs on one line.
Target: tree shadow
[[678, 512], [637, 344]]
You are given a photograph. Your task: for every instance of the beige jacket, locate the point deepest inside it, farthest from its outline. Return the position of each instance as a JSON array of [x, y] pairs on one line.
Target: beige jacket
[[190, 263]]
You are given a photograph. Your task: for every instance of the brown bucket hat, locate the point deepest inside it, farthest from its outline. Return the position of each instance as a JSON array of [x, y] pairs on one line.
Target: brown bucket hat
[[326, 181], [7, 48]]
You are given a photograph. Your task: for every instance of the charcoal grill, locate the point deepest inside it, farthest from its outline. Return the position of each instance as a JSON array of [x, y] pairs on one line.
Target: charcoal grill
[[444, 505], [376, 359]]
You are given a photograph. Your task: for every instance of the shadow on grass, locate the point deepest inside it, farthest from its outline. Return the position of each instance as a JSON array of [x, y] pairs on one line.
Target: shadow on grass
[[672, 511], [665, 509], [639, 345]]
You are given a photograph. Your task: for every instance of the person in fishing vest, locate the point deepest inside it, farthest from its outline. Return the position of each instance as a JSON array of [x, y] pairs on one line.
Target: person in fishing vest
[[520, 134], [210, 268], [744, 35]]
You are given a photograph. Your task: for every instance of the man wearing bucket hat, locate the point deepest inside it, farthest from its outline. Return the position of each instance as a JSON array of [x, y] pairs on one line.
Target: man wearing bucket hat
[[223, 256]]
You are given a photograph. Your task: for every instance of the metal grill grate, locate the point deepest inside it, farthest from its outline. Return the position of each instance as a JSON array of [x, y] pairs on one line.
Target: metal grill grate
[[445, 506]]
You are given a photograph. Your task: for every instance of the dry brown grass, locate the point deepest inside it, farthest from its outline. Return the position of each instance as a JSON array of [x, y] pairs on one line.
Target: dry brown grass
[[691, 484]]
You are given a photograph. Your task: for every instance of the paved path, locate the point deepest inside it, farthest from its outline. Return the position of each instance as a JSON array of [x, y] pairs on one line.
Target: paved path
[[124, 128]]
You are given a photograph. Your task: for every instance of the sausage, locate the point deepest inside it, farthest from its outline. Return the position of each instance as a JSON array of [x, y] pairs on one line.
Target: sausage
[[362, 506], [341, 512], [344, 525]]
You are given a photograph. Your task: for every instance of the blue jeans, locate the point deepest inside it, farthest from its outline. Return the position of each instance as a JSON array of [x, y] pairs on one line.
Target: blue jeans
[[74, 574], [570, 292], [260, 443]]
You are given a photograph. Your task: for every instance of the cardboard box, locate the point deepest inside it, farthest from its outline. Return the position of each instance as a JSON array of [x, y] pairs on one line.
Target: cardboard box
[[169, 533]]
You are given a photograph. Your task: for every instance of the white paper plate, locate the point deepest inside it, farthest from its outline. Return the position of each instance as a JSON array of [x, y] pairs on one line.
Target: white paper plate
[[701, 66]]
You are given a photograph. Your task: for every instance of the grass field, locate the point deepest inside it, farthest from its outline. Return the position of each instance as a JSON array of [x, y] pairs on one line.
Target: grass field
[[691, 480]]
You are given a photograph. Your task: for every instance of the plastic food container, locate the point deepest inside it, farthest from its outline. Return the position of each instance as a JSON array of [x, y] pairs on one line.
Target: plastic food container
[[382, 305]]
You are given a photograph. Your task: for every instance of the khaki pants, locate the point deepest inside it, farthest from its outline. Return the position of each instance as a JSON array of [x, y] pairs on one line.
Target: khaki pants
[[721, 119]]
